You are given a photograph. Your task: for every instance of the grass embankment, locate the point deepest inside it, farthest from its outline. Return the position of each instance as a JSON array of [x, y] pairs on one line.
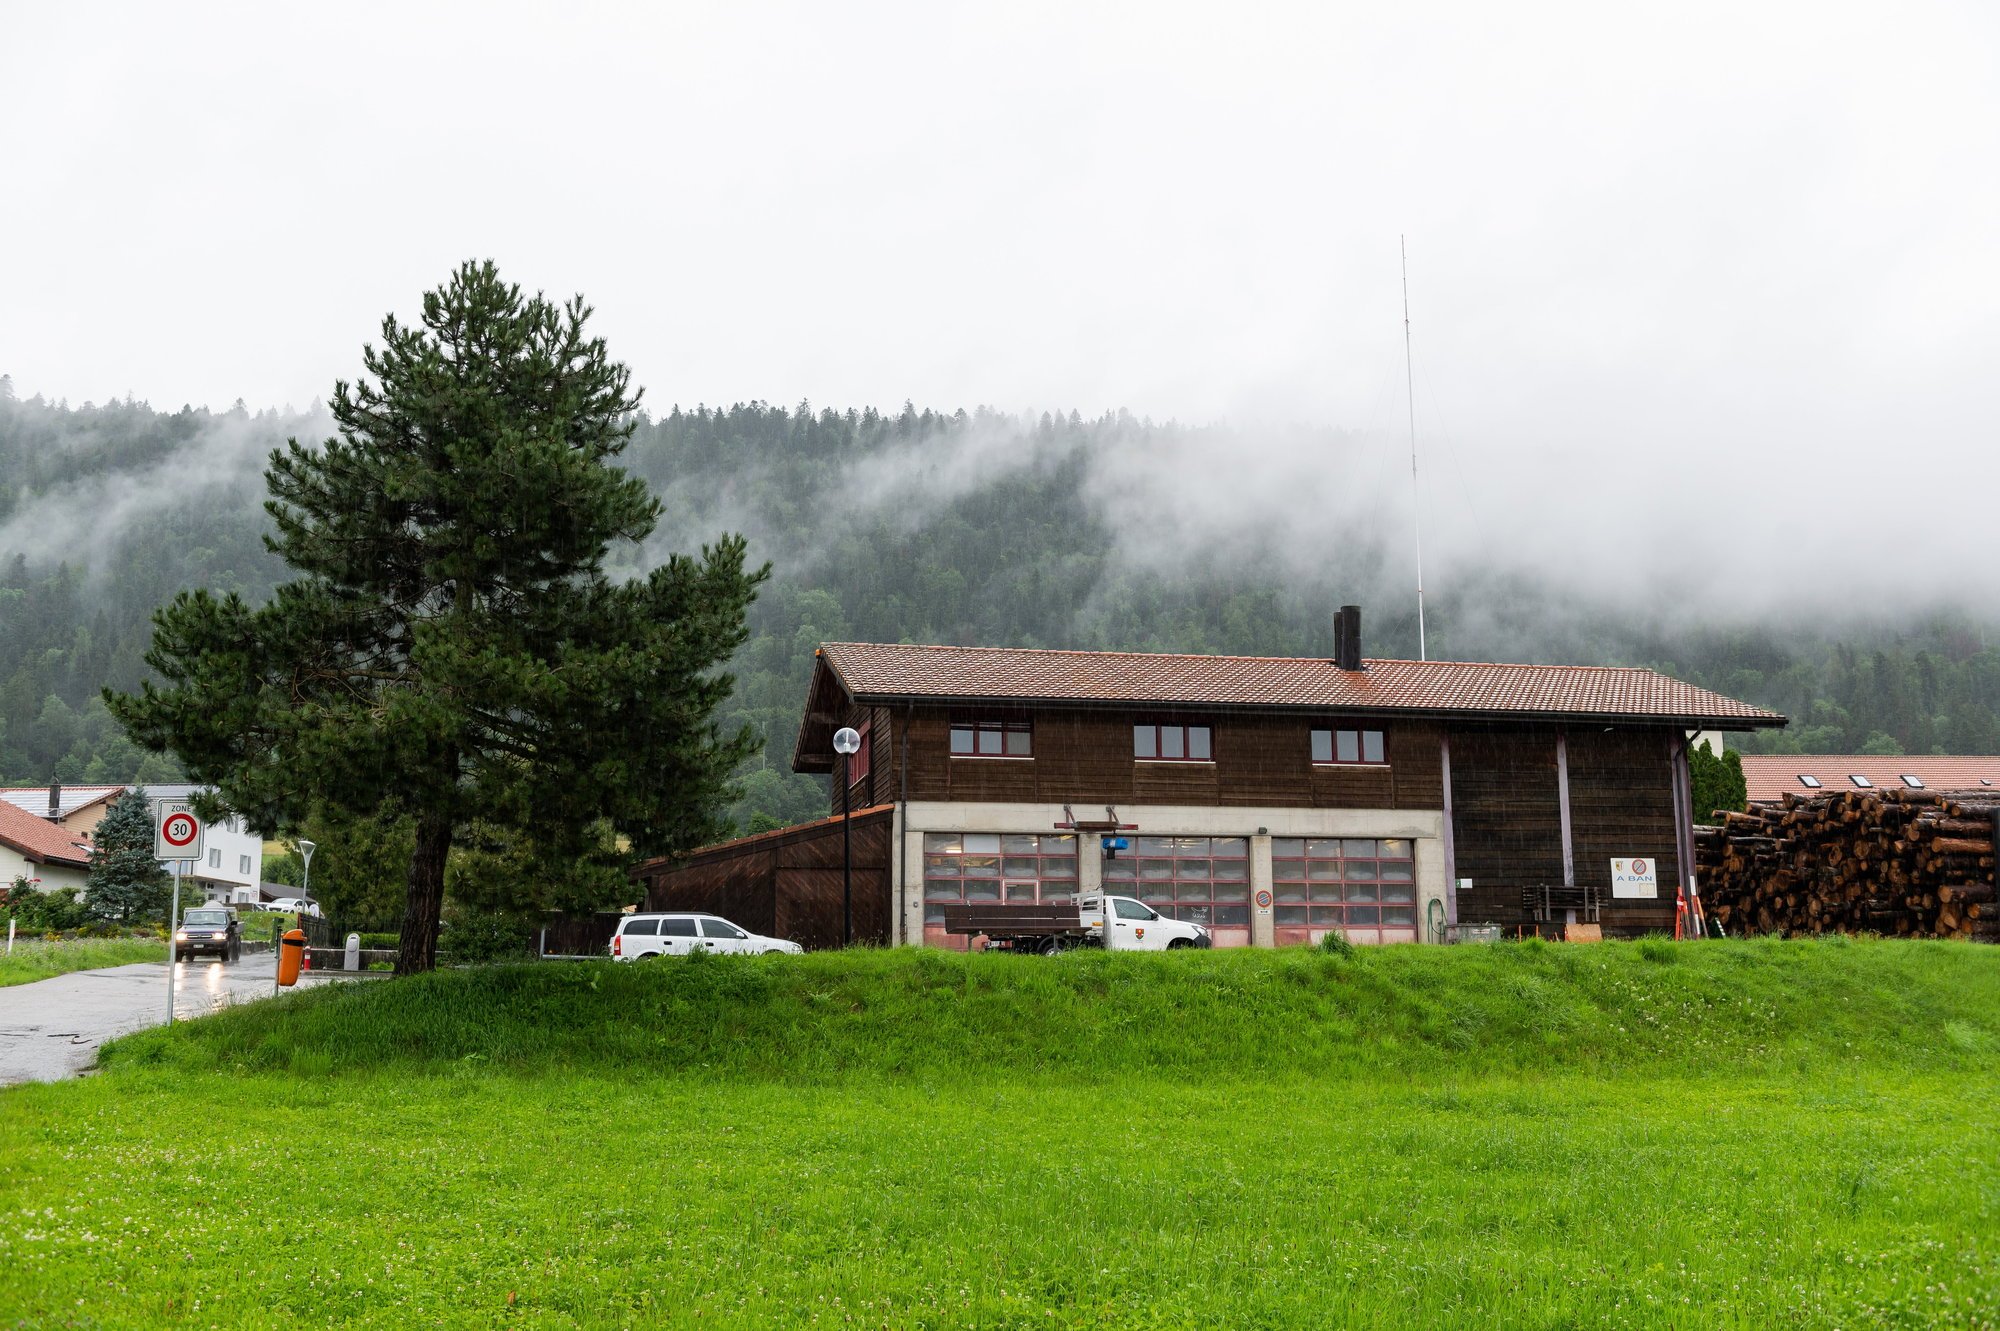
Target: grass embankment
[[38, 959], [1742, 1134]]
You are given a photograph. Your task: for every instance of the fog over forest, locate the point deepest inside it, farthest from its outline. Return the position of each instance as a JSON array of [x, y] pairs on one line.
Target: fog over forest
[[1001, 528]]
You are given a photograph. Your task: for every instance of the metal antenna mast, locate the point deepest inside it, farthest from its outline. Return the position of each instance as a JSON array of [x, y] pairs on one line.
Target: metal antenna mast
[[1416, 494]]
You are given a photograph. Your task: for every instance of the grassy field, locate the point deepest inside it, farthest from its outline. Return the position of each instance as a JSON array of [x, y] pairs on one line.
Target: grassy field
[[1740, 1134], [37, 959]]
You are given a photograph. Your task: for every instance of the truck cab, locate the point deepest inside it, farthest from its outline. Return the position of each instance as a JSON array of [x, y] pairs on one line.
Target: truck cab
[[1126, 924]]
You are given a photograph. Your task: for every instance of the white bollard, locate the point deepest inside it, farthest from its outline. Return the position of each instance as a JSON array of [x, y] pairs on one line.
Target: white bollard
[[353, 959]]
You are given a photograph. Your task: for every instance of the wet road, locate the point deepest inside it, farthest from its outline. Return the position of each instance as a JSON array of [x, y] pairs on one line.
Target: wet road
[[51, 1029]]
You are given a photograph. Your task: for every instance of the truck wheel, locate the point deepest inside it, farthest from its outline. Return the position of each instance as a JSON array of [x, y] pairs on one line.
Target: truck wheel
[[1178, 944]]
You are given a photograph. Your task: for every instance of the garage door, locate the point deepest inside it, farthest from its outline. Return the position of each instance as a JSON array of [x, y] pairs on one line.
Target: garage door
[[1203, 880], [989, 867], [1366, 888]]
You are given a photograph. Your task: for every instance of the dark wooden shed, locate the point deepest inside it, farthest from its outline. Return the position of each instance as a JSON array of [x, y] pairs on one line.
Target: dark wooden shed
[[785, 883]]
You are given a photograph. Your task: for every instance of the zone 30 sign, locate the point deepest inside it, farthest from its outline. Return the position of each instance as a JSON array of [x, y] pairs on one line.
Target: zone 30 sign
[[176, 832]]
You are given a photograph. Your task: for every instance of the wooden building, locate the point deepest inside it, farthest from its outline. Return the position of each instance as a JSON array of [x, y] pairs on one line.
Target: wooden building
[[1273, 799]]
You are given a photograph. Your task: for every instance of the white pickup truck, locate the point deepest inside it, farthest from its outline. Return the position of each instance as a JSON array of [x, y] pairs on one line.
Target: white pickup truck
[[1122, 924]]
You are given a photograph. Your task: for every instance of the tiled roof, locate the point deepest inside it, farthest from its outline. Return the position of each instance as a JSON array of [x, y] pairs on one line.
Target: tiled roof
[[1770, 775], [35, 799], [39, 839], [881, 671]]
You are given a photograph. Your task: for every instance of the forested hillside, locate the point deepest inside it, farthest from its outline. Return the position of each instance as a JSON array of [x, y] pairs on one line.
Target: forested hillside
[[966, 528]]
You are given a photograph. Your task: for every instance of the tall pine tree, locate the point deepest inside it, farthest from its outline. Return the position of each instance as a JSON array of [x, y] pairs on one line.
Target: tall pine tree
[[126, 883], [452, 648]]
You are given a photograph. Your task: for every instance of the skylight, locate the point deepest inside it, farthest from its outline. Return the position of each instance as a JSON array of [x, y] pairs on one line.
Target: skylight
[[1811, 781], [1861, 780], [1913, 782]]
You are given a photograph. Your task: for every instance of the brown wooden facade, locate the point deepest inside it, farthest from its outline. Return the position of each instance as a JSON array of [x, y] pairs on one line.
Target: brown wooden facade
[[1506, 801], [786, 884]]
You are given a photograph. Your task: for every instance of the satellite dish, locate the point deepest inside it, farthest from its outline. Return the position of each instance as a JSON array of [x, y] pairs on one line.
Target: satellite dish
[[847, 740]]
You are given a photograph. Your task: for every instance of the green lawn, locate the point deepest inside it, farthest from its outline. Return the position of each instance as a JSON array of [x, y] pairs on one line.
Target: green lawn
[[1747, 1135], [37, 959]]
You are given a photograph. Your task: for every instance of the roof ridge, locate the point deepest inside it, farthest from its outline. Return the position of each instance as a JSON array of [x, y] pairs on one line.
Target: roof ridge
[[1239, 656]]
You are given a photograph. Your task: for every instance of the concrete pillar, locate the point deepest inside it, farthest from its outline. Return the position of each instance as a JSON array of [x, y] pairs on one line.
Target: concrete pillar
[[912, 904], [1263, 929], [1090, 863], [1430, 855]]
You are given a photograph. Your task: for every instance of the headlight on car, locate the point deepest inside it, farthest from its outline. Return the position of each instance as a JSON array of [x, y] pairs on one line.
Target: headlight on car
[[218, 935], [181, 936]]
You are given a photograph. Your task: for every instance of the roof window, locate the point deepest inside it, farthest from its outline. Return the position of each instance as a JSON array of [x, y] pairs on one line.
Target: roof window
[[1913, 782], [1810, 782], [1861, 780]]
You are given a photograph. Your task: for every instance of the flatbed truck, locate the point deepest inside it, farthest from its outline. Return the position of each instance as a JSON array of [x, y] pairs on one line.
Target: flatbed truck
[[1120, 924]]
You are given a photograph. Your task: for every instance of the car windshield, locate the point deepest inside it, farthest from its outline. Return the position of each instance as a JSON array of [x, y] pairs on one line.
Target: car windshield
[[219, 918]]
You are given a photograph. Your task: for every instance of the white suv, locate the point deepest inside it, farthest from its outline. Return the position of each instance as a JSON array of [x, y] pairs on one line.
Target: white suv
[[677, 935]]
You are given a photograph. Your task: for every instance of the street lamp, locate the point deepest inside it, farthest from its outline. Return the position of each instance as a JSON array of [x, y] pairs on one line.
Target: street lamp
[[306, 849], [846, 743]]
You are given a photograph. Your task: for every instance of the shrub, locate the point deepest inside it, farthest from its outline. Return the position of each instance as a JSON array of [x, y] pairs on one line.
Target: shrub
[[53, 911], [476, 935], [1335, 944]]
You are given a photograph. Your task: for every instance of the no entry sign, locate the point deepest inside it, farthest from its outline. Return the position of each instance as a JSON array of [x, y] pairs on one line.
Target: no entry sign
[[177, 832]]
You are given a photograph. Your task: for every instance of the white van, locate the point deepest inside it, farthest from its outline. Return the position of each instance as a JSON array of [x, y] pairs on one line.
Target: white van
[[682, 932]]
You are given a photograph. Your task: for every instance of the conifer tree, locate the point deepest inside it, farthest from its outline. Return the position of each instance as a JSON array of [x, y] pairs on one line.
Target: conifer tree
[[126, 883], [452, 648], [1716, 783]]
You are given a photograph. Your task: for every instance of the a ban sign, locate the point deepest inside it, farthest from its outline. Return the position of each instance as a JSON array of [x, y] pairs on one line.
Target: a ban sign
[[181, 831]]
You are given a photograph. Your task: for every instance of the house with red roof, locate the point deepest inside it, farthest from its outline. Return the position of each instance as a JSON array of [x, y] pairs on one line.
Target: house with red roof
[[1771, 776], [44, 853], [1271, 799]]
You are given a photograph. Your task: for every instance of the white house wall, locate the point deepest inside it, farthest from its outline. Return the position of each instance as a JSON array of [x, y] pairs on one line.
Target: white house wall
[[14, 865]]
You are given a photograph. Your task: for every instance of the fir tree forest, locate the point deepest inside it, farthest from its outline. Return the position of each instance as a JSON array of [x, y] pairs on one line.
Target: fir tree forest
[[914, 525]]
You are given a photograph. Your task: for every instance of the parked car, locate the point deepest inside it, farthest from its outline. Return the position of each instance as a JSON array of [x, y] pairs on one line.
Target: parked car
[[679, 933], [208, 929], [294, 906]]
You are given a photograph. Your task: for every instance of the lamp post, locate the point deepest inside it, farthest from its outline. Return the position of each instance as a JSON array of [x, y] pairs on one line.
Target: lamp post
[[846, 743], [306, 849]]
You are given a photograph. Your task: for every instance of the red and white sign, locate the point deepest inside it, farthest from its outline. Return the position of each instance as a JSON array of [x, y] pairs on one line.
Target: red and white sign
[[1635, 879], [178, 833]]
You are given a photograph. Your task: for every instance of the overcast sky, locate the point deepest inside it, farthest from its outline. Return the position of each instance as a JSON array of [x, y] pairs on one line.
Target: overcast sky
[[1709, 251]]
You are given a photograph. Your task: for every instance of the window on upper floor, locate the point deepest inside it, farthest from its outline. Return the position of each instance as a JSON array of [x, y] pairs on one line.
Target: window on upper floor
[[857, 762], [1172, 743], [991, 737], [1349, 746]]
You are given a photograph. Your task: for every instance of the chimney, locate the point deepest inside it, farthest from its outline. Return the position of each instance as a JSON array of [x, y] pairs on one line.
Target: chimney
[[55, 801], [1347, 638]]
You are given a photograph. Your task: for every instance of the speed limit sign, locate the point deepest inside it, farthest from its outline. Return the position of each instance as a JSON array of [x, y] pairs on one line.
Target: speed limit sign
[[177, 832]]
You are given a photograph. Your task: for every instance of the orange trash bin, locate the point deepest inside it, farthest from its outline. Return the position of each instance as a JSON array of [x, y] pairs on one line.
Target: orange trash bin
[[291, 955]]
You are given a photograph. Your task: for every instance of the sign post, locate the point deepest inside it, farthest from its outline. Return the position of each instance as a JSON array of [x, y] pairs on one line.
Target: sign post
[[176, 837], [173, 951]]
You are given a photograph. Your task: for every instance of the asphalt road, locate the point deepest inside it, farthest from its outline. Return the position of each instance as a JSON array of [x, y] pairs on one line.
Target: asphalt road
[[51, 1029]]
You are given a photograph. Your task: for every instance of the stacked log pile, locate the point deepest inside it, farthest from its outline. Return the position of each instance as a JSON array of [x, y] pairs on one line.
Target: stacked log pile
[[1904, 863]]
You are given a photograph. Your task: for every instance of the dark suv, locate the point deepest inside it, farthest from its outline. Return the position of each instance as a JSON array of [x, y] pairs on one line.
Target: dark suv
[[208, 929]]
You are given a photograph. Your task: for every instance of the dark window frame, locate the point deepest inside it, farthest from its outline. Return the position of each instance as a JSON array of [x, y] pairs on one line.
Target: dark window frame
[[1183, 731], [859, 761], [1003, 729], [1360, 735]]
